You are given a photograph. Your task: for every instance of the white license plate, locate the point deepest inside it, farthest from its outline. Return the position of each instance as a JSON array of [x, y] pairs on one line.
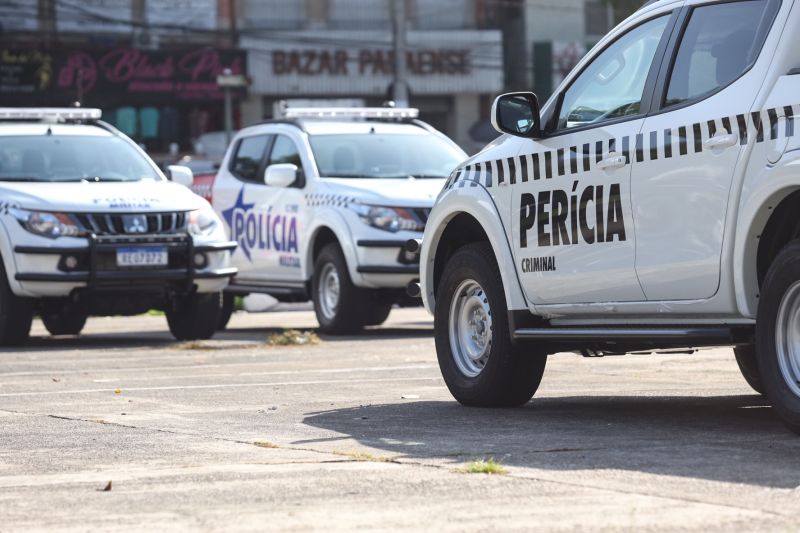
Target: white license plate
[[142, 256]]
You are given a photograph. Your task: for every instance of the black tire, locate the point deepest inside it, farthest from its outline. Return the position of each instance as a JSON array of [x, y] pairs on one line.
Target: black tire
[[228, 303], [782, 277], [350, 314], [511, 374], [195, 316], [16, 314], [378, 313], [748, 365], [67, 321]]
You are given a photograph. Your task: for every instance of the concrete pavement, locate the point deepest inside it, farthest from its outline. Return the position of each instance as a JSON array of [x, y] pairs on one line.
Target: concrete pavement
[[360, 432]]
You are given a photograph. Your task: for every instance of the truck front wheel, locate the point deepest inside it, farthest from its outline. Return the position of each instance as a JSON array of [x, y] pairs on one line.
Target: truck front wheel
[[748, 366], [479, 363], [340, 306], [778, 335], [194, 316]]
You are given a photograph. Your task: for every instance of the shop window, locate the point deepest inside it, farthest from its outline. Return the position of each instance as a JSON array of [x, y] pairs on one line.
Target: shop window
[[272, 14], [599, 17], [249, 156], [443, 14], [358, 14]]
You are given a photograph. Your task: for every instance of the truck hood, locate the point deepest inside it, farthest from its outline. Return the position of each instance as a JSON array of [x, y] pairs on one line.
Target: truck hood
[[76, 197], [388, 192]]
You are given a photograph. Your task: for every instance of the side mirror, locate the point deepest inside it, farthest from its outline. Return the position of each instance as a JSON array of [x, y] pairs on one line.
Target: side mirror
[[181, 174], [517, 114], [280, 175]]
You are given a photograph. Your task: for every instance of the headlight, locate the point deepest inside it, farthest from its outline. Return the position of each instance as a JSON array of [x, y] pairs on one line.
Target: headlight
[[202, 222], [392, 219], [50, 225]]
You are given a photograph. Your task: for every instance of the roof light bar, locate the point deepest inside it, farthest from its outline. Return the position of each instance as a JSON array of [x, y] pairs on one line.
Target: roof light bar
[[351, 112], [49, 113]]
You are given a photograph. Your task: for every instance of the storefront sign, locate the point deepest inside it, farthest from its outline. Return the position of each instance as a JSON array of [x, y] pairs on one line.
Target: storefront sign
[[90, 74], [362, 62]]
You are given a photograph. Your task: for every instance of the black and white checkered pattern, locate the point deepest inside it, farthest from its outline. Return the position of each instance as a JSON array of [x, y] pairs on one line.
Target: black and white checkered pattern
[[672, 142], [330, 200], [5, 206]]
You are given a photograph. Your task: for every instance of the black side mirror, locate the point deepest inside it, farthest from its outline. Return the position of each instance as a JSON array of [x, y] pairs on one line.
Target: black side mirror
[[517, 114]]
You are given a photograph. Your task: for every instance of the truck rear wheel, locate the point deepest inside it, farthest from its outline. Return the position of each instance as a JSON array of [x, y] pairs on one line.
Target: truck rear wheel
[[195, 316], [778, 335], [748, 365], [16, 314], [479, 363], [340, 306], [378, 313], [67, 321]]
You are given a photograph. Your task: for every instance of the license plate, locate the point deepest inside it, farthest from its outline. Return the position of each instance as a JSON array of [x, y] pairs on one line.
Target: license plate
[[142, 256]]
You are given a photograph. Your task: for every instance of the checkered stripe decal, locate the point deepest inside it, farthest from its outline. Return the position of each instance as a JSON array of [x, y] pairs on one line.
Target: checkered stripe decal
[[5, 206], [331, 200], [673, 142]]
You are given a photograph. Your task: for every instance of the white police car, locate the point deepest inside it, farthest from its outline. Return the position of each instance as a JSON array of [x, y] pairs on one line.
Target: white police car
[[90, 226], [321, 203], [652, 204]]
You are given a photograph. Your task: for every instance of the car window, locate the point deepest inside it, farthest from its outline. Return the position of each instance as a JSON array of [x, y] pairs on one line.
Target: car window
[[249, 155], [72, 158], [284, 151], [612, 86], [384, 155], [720, 43]]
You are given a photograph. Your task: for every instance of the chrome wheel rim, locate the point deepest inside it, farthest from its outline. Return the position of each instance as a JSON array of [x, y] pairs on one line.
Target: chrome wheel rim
[[787, 338], [470, 328], [329, 290]]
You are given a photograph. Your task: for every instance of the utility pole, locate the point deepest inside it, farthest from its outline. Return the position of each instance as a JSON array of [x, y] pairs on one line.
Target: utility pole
[[400, 85]]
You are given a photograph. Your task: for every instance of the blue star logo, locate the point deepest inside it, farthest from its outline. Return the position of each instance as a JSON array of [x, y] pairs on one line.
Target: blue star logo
[[228, 215]]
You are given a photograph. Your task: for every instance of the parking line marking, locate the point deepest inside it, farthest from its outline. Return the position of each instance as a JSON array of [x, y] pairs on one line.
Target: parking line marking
[[219, 386]]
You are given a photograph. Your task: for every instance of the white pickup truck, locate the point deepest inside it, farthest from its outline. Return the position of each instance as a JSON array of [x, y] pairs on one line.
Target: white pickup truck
[[90, 226], [652, 204], [321, 203]]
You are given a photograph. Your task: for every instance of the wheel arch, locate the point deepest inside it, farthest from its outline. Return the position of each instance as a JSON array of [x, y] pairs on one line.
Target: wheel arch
[[768, 220], [459, 219]]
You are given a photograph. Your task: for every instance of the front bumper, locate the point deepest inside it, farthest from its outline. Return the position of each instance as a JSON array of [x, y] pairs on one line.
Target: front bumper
[[386, 257], [95, 263]]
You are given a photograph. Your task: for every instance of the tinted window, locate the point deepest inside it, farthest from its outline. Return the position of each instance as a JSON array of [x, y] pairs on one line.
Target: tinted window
[[378, 155], [249, 155], [720, 43], [612, 86], [72, 158], [285, 151]]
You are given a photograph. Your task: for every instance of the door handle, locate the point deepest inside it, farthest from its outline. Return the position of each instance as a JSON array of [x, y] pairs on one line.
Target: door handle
[[721, 141], [612, 163]]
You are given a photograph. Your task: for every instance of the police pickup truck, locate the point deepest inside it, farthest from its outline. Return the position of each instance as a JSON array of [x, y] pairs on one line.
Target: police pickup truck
[[321, 203], [652, 204], [90, 226]]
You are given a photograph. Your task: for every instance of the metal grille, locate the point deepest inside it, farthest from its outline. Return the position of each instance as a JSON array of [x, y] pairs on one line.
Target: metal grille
[[112, 224]]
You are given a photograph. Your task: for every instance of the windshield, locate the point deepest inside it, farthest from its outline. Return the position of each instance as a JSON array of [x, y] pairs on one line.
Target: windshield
[[387, 156], [71, 158]]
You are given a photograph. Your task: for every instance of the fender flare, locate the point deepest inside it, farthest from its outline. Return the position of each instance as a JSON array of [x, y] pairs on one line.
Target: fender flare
[[477, 203], [332, 220], [767, 189]]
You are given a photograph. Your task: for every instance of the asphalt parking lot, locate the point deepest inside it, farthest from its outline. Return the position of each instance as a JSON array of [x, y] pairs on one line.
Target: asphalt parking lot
[[361, 432]]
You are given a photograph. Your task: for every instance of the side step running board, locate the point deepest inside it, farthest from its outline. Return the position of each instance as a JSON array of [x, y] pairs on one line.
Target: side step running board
[[623, 334]]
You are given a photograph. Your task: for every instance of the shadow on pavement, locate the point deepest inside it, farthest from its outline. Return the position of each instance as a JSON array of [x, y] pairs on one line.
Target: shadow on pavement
[[725, 438]]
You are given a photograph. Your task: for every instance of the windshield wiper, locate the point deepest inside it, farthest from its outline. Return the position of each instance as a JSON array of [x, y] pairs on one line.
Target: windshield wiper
[[21, 178], [97, 179]]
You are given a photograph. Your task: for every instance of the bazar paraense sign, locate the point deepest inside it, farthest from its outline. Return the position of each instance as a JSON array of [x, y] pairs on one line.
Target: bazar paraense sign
[[343, 62], [186, 74]]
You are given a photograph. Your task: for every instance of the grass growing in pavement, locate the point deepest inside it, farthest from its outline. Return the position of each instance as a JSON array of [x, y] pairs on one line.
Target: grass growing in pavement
[[364, 456], [292, 337], [196, 345], [488, 466], [265, 444]]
